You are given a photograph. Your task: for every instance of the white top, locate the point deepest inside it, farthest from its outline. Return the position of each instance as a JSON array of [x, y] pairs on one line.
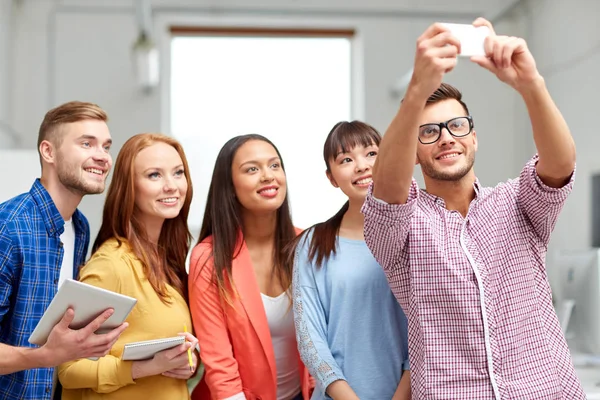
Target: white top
[[68, 240], [66, 269], [280, 317]]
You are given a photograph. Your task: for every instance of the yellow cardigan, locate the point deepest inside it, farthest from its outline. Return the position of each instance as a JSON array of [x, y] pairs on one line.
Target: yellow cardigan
[[117, 269]]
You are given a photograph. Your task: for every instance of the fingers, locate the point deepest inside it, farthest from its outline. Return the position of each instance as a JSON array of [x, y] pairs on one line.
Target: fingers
[[497, 51], [107, 340], [432, 31], [436, 54], [113, 335], [104, 347], [179, 351], [185, 370], [182, 362], [500, 49], [507, 51], [485, 63], [441, 51], [96, 323], [444, 39], [444, 52], [184, 374], [188, 337], [448, 64], [67, 318], [484, 22], [513, 46]]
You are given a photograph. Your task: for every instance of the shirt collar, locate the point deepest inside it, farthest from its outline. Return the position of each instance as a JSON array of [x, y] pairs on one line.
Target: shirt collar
[[441, 202], [54, 222], [477, 187]]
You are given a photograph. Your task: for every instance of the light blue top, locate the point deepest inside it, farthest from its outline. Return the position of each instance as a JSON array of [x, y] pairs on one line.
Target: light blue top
[[349, 325]]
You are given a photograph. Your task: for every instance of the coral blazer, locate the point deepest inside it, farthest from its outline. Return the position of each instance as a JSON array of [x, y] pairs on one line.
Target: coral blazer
[[235, 342]]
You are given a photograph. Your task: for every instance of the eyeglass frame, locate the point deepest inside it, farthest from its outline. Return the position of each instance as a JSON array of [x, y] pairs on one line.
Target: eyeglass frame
[[443, 125]]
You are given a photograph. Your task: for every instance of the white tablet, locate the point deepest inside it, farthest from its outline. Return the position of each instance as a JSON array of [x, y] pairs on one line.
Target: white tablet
[[88, 302]]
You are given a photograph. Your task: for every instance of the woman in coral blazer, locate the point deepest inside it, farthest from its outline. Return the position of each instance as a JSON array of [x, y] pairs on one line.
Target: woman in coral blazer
[[239, 283]]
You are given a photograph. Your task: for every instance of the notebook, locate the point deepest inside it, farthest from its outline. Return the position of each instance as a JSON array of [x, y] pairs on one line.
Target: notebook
[[88, 302], [148, 348]]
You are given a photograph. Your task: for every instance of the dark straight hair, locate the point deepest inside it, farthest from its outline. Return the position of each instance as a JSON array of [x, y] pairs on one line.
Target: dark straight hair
[[342, 138], [223, 219]]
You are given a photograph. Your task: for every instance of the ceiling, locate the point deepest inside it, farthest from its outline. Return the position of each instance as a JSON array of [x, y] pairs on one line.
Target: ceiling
[[490, 9]]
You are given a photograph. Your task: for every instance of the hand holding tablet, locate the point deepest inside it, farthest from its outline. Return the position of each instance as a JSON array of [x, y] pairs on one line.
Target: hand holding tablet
[[88, 302], [82, 321], [65, 344]]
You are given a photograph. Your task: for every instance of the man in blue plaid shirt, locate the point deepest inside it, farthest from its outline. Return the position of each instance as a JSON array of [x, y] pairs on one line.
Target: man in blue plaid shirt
[[43, 240]]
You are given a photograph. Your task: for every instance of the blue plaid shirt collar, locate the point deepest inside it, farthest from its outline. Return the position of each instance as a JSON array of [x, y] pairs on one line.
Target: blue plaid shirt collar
[[53, 220]]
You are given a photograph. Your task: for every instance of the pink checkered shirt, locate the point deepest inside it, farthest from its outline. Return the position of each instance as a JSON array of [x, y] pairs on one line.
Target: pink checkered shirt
[[475, 290]]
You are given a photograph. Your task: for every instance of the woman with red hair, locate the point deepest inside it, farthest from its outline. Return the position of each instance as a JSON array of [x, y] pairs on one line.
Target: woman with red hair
[[140, 252]]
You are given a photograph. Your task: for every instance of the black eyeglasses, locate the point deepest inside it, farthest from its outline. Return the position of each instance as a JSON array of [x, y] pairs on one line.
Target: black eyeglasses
[[457, 127]]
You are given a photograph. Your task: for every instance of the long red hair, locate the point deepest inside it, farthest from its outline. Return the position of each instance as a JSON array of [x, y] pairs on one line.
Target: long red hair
[[163, 263]]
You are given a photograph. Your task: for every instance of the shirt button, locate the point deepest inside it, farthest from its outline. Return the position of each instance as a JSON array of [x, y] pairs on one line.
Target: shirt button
[[48, 389], [56, 281]]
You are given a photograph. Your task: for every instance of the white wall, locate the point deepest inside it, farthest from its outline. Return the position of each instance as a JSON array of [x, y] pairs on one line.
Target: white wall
[[27, 165], [565, 39], [64, 53], [7, 137]]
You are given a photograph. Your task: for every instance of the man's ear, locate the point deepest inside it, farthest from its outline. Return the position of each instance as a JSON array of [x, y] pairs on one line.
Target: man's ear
[[47, 152], [474, 139], [331, 180]]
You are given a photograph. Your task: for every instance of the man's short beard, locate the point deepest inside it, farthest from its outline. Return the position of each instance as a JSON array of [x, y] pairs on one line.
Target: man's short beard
[[70, 176], [431, 172]]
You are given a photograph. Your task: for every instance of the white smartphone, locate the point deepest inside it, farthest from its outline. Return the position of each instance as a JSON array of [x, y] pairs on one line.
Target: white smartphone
[[471, 38]]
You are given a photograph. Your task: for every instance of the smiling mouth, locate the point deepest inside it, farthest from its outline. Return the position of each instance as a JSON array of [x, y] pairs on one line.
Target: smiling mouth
[[94, 171], [268, 191], [363, 181], [168, 200], [448, 156]]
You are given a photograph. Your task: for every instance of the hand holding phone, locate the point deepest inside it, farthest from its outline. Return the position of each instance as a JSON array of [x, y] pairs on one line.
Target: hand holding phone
[[471, 38]]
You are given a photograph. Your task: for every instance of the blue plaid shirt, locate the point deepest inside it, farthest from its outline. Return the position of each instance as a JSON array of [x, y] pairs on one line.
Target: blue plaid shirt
[[31, 256]]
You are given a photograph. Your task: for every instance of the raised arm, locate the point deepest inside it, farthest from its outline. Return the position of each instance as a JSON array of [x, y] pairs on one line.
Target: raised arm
[[511, 61], [392, 174]]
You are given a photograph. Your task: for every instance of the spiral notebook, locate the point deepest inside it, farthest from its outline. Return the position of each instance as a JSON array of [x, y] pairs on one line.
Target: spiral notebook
[[146, 349]]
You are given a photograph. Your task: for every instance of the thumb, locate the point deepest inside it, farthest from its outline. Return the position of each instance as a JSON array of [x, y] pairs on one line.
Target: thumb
[[66, 319], [485, 62]]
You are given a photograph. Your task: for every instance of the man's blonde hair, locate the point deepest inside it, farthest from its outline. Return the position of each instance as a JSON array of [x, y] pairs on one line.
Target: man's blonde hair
[[73, 111]]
